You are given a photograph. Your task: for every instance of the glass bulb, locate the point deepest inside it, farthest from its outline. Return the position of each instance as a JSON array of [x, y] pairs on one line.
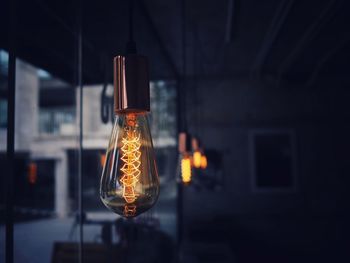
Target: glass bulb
[[197, 159], [129, 183], [186, 172], [204, 162]]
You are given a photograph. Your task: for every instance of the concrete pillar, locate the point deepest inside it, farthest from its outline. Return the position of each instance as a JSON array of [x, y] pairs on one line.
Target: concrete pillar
[[61, 186]]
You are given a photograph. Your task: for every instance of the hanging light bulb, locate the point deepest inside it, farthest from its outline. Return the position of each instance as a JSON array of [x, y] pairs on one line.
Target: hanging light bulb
[[129, 183], [186, 173], [196, 153], [204, 161], [197, 157], [186, 169]]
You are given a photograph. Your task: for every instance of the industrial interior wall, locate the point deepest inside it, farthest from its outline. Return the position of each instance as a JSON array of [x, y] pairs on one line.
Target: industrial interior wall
[[229, 112]]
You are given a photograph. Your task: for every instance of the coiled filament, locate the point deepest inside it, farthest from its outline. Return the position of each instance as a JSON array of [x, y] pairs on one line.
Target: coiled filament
[[131, 157]]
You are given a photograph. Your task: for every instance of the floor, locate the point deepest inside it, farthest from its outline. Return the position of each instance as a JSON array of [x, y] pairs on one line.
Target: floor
[[34, 239]]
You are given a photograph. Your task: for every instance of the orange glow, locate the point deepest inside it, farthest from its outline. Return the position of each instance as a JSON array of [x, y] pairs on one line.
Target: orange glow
[[102, 159], [130, 210], [186, 170], [131, 168], [204, 161], [32, 173], [197, 159]]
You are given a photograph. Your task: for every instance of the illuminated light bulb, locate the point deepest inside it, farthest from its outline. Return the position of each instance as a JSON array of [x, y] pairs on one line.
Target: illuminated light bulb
[[129, 183], [186, 158], [197, 159], [186, 173], [204, 162]]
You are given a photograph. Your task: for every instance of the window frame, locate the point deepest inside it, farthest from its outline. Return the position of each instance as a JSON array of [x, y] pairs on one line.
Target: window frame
[[252, 159]]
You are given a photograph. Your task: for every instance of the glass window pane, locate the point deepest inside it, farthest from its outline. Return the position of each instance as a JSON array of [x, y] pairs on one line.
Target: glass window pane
[[3, 142], [45, 138]]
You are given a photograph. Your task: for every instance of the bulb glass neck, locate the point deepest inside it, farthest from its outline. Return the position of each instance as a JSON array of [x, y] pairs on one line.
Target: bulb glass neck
[[131, 112]]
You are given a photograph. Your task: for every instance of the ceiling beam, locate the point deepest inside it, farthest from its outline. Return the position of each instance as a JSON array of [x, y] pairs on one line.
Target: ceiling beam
[[328, 55], [61, 21], [311, 32], [229, 25], [159, 40], [271, 35]]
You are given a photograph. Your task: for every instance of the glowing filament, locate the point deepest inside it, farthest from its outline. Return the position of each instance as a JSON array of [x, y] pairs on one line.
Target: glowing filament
[[197, 159], [129, 210], [186, 170], [204, 162], [131, 168]]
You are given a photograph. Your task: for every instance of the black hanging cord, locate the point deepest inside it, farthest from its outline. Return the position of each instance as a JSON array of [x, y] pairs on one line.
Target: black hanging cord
[[131, 45], [184, 69], [131, 20]]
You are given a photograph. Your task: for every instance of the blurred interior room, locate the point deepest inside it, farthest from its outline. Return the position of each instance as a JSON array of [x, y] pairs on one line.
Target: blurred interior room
[[174, 131]]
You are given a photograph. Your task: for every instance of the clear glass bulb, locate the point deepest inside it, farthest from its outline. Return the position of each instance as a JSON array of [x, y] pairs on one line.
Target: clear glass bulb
[[204, 162], [186, 172], [129, 183], [197, 159]]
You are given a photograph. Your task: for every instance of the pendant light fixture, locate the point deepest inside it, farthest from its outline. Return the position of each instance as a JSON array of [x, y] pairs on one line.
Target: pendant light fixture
[[129, 183], [196, 153], [204, 161], [199, 159], [185, 156]]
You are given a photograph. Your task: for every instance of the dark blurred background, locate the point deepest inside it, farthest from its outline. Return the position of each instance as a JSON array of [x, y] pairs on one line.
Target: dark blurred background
[[264, 86]]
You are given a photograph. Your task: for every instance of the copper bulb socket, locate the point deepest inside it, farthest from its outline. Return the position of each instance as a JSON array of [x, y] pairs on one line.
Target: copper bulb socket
[[195, 144], [184, 142], [131, 84]]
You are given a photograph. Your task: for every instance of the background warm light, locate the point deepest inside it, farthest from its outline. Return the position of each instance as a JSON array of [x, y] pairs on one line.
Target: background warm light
[[203, 162], [197, 159], [186, 170]]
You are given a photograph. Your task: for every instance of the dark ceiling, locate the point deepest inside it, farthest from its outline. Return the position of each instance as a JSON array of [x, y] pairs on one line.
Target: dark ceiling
[[301, 42]]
